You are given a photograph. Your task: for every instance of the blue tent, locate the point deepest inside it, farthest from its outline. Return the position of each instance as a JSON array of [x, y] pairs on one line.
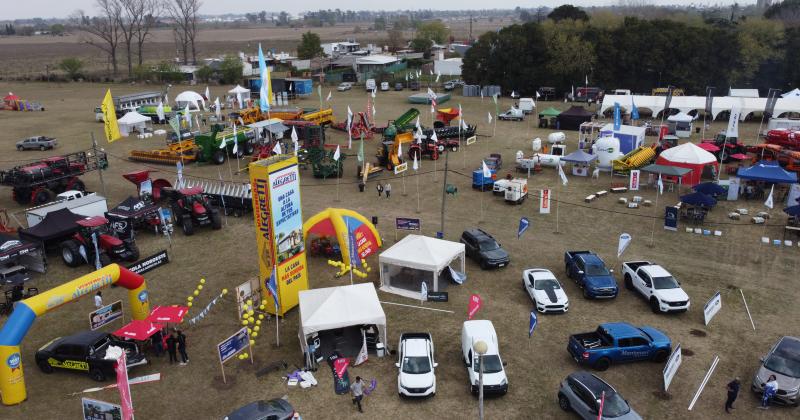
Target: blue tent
[[793, 211], [767, 171], [579, 156], [710, 188], [698, 199]]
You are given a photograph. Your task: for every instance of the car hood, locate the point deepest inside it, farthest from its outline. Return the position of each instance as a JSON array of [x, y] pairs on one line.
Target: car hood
[[659, 338], [496, 254], [672, 295], [551, 295], [631, 415], [422, 380], [490, 378], [784, 382], [601, 281]]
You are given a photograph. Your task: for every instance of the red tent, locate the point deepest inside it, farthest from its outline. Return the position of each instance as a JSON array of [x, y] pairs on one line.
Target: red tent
[[169, 314], [11, 97], [138, 330], [690, 156]]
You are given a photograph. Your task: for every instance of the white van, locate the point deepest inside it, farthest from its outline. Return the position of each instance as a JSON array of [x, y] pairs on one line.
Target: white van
[[494, 374], [370, 85], [527, 105]]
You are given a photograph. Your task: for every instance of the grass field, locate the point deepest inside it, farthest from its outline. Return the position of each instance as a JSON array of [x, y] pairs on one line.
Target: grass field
[[767, 275]]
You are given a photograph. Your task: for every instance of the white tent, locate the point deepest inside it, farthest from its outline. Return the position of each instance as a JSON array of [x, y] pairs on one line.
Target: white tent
[[689, 103], [239, 90], [132, 121], [682, 124], [414, 260], [794, 93], [194, 99], [688, 153], [340, 307]]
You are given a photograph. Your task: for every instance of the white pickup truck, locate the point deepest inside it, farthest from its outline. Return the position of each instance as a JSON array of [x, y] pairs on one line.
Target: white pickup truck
[[78, 202], [657, 285]]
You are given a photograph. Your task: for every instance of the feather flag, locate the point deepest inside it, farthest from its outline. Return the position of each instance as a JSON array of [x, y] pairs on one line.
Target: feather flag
[[337, 154], [538, 95], [487, 173], [373, 92], [438, 75], [272, 286], [166, 98], [110, 118], [363, 354], [660, 185], [400, 149], [423, 291], [208, 94], [187, 116], [235, 141], [217, 109], [561, 174], [295, 141], [277, 149], [489, 115], [265, 92], [769, 202], [416, 163], [434, 138], [160, 111], [417, 124], [330, 95], [361, 149]]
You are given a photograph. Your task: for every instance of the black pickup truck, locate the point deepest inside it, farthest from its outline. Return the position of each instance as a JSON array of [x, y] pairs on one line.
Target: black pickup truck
[[86, 352]]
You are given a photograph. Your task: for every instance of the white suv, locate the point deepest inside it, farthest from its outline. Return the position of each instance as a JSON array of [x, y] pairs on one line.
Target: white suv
[[416, 376], [494, 374]]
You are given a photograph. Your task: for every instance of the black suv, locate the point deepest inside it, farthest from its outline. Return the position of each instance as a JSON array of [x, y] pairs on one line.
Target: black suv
[[481, 247], [86, 352], [582, 392]]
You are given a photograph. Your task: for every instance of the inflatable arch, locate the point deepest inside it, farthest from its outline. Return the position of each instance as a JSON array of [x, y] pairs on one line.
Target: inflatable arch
[[334, 222], [12, 381]]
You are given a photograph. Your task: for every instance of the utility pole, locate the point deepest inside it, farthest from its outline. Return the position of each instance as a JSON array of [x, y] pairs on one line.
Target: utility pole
[[97, 164], [444, 189], [470, 27]]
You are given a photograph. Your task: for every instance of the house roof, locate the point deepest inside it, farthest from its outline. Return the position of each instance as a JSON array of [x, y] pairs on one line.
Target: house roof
[[378, 59]]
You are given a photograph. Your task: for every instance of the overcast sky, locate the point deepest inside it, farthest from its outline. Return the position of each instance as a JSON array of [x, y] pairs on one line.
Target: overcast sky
[[13, 9]]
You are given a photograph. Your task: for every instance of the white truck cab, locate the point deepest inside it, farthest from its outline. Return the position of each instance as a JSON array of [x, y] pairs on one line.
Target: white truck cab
[[527, 105], [494, 374], [662, 291], [71, 195]]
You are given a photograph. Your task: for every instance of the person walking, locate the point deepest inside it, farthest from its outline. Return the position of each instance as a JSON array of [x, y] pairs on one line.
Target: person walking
[[172, 348], [770, 389], [379, 187], [733, 392], [388, 189], [357, 389], [182, 347], [98, 300]]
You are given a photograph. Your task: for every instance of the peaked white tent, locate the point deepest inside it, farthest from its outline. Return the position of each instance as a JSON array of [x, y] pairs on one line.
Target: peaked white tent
[[132, 121], [239, 90], [194, 99], [690, 156], [333, 308], [794, 93], [417, 259]]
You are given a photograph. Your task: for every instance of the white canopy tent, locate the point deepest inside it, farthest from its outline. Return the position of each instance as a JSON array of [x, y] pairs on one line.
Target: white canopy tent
[[682, 124], [194, 99], [698, 103], [417, 259], [132, 121], [794, 93], [238, 90], [332, 308]]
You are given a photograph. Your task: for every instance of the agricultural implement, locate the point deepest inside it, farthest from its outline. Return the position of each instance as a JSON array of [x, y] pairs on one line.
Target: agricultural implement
[[320, 117], [191, 207], [150, 190], [388, 154], [634, 159], [94, 237], [446, 115], [39, 182], [181, 151], [358, 127], [232, 198], [323, 165]]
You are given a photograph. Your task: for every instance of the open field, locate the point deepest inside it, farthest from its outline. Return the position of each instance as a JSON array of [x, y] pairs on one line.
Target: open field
[[767, 275]]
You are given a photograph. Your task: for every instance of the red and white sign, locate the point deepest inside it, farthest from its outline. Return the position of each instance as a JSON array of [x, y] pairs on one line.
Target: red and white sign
[[340, 365], [544, 201], [475, 303], [634, 181], [124, 388]]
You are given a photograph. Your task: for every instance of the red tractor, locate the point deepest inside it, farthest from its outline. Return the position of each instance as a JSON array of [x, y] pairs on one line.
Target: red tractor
[[190, 208], [426, 148], [94, 237], [789, 139]]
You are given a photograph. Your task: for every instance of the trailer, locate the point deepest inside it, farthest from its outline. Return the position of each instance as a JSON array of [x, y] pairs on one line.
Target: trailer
[[513, 190], [233, 198], [87, 205]]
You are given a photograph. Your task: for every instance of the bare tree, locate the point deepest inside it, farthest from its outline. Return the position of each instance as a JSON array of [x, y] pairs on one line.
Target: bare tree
[[184, 13], [128, 22], [102, 31], [151, 9]]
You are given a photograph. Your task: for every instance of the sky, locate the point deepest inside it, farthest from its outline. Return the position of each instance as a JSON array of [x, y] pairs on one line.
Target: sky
[[63, 8]]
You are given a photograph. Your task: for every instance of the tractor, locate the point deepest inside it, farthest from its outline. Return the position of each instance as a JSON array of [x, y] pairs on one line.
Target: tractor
[[426, 147], [190, 208], [39, 182], [96, 236]]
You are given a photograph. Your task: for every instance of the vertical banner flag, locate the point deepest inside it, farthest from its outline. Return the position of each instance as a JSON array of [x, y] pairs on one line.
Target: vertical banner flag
[[363, 354], [772, 99], [217, 109], [110, 118], [265, 93], [337, 154], [544, 201], [617, 117], [272, 286], [561, 174], [486, 172], [660, 185], [524, 224], [634, 110], [160, 111], [668, 100], [733, 122], [424, 291], [475, 303], [532, 324], [709, 100], [769, 204], [330, 95], [634, 180], [624, 241], [124, 388], [489, 116], [361, 149], [671, 218]]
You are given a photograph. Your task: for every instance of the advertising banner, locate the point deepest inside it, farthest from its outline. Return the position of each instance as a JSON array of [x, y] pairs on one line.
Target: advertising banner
[[124, 388], [105, 315], [544, 201], [475, 303], [96, 409], [405, 223], [152, 262], [634, 181], [671, 218], [712, 307], [734, 184], [672, 366], [398, 169], [232, 345]]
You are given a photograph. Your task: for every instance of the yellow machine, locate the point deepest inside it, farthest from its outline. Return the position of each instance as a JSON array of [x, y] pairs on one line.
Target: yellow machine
[[251, 115], [634, 159], [321, 117], [389, 151], [183, 151], [665, 91]]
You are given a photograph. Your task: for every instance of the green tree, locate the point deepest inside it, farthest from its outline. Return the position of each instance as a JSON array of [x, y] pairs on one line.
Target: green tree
[[787, 11], [310, 46], [57, 29], [568, 11], [423, 45], [205, 73], [569, 56], [380, 24], [71, 66], [168, 72], [230, 70], [435, 31], [759, 43], [395, 40]]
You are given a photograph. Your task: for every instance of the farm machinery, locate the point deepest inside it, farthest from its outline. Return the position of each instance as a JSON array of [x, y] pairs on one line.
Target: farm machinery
[[94, 237], [190, 208], [323, 165], [730, 146], [206, 147], [39, 182], [388, 154], [358, 127]]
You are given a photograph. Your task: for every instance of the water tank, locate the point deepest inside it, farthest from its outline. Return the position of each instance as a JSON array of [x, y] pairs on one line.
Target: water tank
[[607, 149], [536, 144], [520, 155], [557, 137]]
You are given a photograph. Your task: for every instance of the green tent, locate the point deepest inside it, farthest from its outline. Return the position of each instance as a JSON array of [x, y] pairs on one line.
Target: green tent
[[549, 112]]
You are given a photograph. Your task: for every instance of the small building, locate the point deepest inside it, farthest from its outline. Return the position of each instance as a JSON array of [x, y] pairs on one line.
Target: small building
[[374, 63], [333, 49], [630, 137], [460, 49], [448, 66]]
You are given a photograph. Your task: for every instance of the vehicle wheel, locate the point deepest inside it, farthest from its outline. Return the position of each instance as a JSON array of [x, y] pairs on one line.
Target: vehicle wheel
[[45, 367], [41, 196], [660, 356], [70, 254], [628, 282], [218, 157], [602, 364], [654, 306], [586, 293], [21, 195], [216, 220], [249, 148], [76, 184], [454, 148], [484, 266], [186, 225], [42, 148], [134, 252], [563, 402], [20, 148], [97, 375], [104, 259]]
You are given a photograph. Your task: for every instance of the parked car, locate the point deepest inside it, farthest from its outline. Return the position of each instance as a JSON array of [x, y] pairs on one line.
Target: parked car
[[37, 143], [384, 86], [513, 114], [494, 161], [582, 392], [618, 342], [591, 274], [494, 374], [398, 87], [85, 352], [185, 135], [481, 247], [416, 376], [783, 361], [275, 409], [413, 85], [656, 285], [449, 85], [344, 86], [545, 290]]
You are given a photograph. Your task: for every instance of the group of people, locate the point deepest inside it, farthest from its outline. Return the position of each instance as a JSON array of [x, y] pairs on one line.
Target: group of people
[[770, 389]]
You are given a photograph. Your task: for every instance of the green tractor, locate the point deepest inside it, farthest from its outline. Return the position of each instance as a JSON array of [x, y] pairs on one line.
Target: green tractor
[[323, 165], [209, 145]]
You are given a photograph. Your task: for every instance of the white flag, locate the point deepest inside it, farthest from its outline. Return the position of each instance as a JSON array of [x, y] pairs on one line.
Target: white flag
[[562, 174], [187, 116], [337, 153], [438, 75], [481, 94], [294, 135], [417, 125], [373, 92], [373, 112], [217, 108], [416, 164], [208, 94], [538, 95], [277, 149], [489, 115], [235, 141], [486, 172], [769, 203], [363, 355], [296, 147], [424, 291], [431, 72], [622, 245], [160, 111], [434, 137], [400, 150], [513, 93], [733, 122], [166, 98], [329, 96], [587, 80], [464, 125], [349, 114], [660, 185]]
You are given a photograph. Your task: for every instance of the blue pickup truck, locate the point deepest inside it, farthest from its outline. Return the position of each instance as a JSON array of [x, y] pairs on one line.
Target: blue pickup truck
[[619, 342], [591, 274]]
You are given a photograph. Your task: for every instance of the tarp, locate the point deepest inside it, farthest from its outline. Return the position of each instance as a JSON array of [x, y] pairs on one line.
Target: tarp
[[579, 156], [549, 112], [698, 199], [666, 170], [767, 171], [334, 222], [55, 225], [168, 314], [572, 118], [339, 307], [138, 330], [132, 207], [425, 256]]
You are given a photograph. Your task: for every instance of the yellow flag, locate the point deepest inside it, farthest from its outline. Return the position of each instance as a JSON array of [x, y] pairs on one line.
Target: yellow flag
[[269, 87], [110, 118]]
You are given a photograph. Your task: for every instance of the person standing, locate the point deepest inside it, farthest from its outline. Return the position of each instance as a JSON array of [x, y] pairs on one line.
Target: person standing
[[379, 187], [182, 347], [388, 189], [770, 389], [733, 392], [357, 388], [157, 341], [98, 300], [172, 348]]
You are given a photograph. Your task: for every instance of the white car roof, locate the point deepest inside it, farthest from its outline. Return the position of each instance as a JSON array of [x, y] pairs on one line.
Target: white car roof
[[540, 274], [656, 271], [416, 347]]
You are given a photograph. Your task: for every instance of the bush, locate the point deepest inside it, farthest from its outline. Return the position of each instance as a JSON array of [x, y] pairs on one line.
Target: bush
[[168, 73], [230, 70], [205, 73], [72, 67], [143, 73]]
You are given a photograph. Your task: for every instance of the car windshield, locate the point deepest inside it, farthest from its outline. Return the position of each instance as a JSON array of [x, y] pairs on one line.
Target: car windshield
[[488, 245], [546, 284], [596, 270], [785, 359], [492, 364], [416, 365], [615, 406], [668, 282]]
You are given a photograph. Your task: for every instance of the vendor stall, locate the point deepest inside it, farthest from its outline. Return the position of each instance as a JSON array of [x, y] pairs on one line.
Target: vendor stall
[[417, 259], [17, 257], [54, 228], [572, 118], [680, 124], [703, 165], [133, 121], [580, 162]]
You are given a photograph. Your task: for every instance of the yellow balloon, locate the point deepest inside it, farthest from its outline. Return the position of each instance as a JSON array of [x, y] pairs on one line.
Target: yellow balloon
[[249, 330], [244, 322], [249, 302], [224, 291], [202, 281], [258, 322], [245, 356], [199, 287], [260, 316], [262, 307], [263, 301], [250, 312], [190, 298], [256, 328], [255, 334], [252, 342], [196, 292], [368, 269], [189, 304]]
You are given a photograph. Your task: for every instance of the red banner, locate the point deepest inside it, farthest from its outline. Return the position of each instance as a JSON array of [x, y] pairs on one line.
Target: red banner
[[474, 304], [124, 388], [340, 365]]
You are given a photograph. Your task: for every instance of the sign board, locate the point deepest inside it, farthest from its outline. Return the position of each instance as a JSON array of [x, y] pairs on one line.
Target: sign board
[[105, 315], [712, 307], [438, 297], [152, 262], [471, 140], [634, 180], [406, 223], [232, 345], [673, 363], [544, 201], [671, 218], [734, 183], [401, 168], [97, 410]]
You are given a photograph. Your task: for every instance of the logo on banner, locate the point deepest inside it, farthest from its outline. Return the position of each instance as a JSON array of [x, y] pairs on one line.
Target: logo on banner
[[532, 324], [475, 303], [14, 361], [340, 365], [712, 307], [672, 366], [524, 224], [671, 218], [624, 241], [634, 181], [544, 202]]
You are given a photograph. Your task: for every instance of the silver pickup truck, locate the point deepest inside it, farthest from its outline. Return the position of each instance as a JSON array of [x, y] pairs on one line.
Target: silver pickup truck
[[37, 143]]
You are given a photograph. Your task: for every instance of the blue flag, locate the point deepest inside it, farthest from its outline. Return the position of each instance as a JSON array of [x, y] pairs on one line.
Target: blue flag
[[272, 286], [634, 110], [533, 323], [262, 66], [524, 224], [355, 260], [617, 117]]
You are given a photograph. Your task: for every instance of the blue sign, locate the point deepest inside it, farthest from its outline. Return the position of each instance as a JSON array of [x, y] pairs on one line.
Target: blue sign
[[671, 218], [533, 323], [105, 315], [617, 117], [405, 223], [13, 361], [233, 345], [524, 224], [143, 296]]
